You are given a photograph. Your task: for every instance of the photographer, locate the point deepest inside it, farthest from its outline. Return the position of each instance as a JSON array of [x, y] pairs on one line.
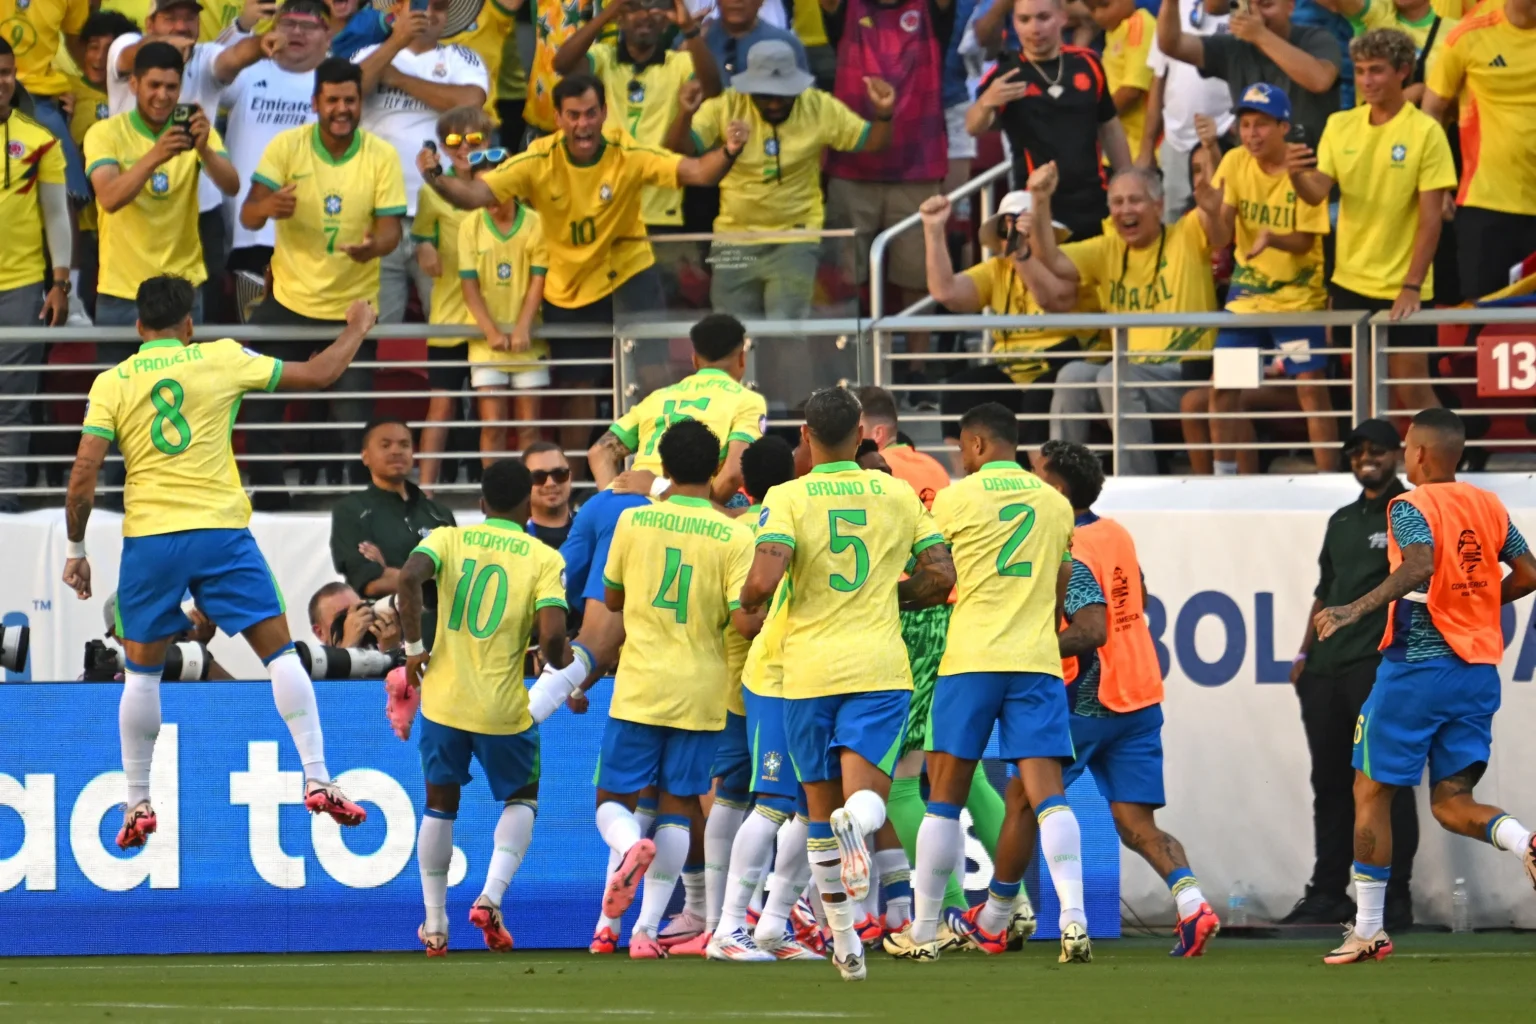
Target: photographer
[[340, 618], [104, 659]]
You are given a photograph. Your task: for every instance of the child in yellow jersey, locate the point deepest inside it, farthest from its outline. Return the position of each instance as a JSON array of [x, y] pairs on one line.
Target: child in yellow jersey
[[460, 132], [674, 571], [502, 264], [473, 702]]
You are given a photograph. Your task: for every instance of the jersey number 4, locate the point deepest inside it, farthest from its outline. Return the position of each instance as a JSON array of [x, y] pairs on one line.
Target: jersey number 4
[[470, 595], [676, 578], [1005, 564]]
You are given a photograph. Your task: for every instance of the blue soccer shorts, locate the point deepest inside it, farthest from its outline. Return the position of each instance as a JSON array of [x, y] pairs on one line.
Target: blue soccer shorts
[[634, 755], [510, 763], [599, 516], [224, 570], [1124, 753], [772, 772], [1438, 712], [733, 759], [870, 724], [1299, 346], [1029, 709]]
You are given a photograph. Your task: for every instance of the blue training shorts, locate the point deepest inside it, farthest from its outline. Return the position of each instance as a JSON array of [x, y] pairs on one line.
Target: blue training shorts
[[1438, 711], [586, 548], [733, 759], [634, 755], [1298, 345], [1125, 754], [510, 763], [1029, 709], [870, 724], [224, 569], [772, 773]]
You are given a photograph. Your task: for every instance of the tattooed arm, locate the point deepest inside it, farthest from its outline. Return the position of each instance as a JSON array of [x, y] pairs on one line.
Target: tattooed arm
[[77, 507], [606, 458], [933, 577], [1087, 631], [769, 564], [1418, 565]]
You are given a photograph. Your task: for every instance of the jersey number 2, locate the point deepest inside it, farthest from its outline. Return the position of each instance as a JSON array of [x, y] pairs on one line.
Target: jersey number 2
[[841, 542], [168, 414], [677, 575], [1015, 540], [471, 592]]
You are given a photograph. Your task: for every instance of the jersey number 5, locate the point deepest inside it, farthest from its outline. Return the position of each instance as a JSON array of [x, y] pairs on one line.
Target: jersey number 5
[[840, 542], [168, 418], [471, 592], [1015, 540], [674, 574]]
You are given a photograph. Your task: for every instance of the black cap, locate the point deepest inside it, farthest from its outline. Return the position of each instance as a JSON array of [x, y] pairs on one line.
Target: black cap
[[1381, 433]]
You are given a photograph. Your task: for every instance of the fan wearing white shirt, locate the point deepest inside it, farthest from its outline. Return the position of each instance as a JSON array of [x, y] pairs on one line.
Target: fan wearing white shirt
[[408, 80], [269, 97], [1179, 92]]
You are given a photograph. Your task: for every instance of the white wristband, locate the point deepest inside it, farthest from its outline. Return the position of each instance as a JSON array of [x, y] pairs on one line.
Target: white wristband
[[660, 486], [414, 647], [74, 549]]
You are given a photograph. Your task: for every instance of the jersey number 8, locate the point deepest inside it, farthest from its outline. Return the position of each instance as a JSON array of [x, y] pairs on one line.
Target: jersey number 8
[[168, 415]]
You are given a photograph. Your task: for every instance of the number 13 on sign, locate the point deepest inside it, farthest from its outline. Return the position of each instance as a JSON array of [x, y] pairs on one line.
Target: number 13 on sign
[[1506, 366]]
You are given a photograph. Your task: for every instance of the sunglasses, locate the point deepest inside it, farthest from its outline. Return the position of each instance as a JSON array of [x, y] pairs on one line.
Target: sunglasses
[[493, 157], [455, 139], [543, 476]]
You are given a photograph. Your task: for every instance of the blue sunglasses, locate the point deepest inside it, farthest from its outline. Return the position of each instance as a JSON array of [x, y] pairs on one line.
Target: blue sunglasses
[[494, 157]]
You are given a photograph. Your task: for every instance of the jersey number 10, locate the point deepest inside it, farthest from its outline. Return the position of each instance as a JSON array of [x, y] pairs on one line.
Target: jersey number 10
[[471, 591]]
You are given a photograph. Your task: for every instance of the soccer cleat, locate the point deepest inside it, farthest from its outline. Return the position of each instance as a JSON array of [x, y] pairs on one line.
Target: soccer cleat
[[901, 945], [400, 703], [786, 948], [645, 947], [1529, 858], [1021, 922], [139, 824], [695, 946], [1195, 931], [737, 947], [802, 918], [327, 798], [981, 940], [753, 916], [620, 892], [851, 967], [436, 942], [853, 853], [684, 925], [952, 930], [1356, 950], [486, 916], [870, 929], [1075, 945], [603, 942]]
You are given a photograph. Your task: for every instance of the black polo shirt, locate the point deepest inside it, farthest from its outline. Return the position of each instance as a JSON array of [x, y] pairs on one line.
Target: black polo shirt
[[396, 525], [1063, 126], [1353, 562]]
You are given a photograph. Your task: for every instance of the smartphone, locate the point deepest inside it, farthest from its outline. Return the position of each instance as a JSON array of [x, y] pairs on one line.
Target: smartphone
[[428, 144], [420, 5], [181, 116], [1297, 134], [1242, 6]]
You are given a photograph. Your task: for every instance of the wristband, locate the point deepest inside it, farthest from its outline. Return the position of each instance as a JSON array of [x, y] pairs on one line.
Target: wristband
[[74, 549], [413, 648], [1413, 287], [660, 486], [1300, 657]]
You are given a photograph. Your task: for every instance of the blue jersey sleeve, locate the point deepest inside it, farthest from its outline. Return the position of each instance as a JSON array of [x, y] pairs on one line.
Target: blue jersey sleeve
[[1082, 589], [1514, 544], [1408, 525]]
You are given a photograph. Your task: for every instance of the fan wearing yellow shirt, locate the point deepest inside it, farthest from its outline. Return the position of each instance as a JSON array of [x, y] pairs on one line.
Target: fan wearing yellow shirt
[[1128, 34], [843, 536], [169, 408], [1279, 269], [673, 572], [506, 587], [1423, 21], [44, 36], [88, 105], [643, 79]]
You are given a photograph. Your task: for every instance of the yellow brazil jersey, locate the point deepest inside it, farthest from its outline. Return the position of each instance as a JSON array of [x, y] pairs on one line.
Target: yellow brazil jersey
[[588, 208], [1004, 293], [338, 201], [681, 564], [1171, 275], [437, 221], [492, 580], [1125, 66], [503, 265], [1381, 169], [171, 409], [90, 107], [763, 672], [1275, 281], [806, 22], [852, 533], [486, 37], [1491, 65], [732, 410], [737, 647], [554, 21], [137, 11], [1384, 14], [36, 30], [32, 157], [776, 182], [157, 232], [216, 16], [1009, 532], [642, 100]]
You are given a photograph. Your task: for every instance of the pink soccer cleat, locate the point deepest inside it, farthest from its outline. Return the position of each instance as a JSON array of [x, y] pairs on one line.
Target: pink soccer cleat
[[487, 917], [695, 946], [327, 798], [645, 947], [138, 825], [603, 942], [621, 887], [401, 703], [980, 940], [436, 942], [871, 930], [683, 926], [1193, 932]]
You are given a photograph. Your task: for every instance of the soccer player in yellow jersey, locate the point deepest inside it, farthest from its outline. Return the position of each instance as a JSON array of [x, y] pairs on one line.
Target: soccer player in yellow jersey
[[169, 409], [505, 586], [673, 571], [843, 536], [1010, 534]]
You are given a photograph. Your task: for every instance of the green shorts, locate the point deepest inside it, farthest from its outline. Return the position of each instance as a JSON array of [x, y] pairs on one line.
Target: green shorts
[[923, 631]]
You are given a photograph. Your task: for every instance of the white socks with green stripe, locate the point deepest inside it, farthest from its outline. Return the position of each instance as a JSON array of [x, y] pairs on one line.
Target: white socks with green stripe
[[138, 726], [294, 694]]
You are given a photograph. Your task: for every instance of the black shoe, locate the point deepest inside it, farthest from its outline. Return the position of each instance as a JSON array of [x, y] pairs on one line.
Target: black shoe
[[1399, 912], [1319, 908]]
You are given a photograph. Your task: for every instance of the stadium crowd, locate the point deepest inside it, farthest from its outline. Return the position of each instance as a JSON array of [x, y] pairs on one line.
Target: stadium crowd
[[1283, 156]]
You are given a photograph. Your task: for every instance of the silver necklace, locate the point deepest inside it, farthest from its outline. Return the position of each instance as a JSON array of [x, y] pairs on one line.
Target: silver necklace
[[1053, 87]]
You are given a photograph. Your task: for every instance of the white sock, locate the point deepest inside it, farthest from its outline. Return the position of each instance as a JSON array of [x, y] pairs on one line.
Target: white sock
[[895, 886], [138, 726], [871, 902], [995, 915], [1224, 468], [661, 878], [1061, 842], [554, 685], [514, 831], [1505, 833], [603, 920], [867, 809], [434, 852], [755, 901], [1187, 896], [940, 842], [842, 913], [645, 817], [750, 854], [616, 824], [791, 872], [1370, 906], [294, 695], [693, 889], [719, 834]]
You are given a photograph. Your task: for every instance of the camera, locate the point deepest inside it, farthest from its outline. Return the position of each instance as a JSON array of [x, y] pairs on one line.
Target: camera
[[185, 662], [339, 623], [14, 641], [322, 661]]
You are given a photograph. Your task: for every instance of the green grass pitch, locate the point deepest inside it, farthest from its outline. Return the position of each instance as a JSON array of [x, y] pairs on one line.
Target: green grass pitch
[[1431, 978]]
